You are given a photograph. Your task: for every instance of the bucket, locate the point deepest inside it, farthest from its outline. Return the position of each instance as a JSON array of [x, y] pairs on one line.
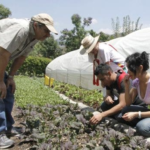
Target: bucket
[[46, 81], [51, 82]]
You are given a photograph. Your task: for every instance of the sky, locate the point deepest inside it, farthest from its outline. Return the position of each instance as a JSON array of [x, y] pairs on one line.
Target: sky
[[102, 11]]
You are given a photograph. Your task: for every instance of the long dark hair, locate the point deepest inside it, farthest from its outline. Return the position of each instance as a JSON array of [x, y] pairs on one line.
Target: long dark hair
[[135, 60]]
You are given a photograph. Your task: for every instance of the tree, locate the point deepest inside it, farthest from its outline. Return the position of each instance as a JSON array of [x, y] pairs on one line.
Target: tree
[[116, 27], [48, 48], [4, 12], [71, 39], [104, 37], [127, 27]]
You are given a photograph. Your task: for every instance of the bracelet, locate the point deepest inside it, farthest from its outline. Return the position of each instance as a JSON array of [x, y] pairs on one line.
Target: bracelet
[[139, 115], [10, 76]]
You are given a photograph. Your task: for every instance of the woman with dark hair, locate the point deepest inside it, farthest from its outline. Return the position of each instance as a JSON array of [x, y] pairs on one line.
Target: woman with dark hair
[[139, 116]]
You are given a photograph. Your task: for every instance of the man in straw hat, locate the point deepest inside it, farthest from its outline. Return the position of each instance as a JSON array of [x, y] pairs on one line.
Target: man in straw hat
[[104, 52], [17, 38]]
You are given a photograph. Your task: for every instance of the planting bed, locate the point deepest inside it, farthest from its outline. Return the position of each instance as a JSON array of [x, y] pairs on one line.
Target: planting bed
[[65, 127]]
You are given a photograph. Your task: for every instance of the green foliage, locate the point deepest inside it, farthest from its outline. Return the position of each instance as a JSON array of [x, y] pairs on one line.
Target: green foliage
[[52, 123], [60, 127], [116, 27], [127, 27], [104, 37], [72, 38], [4, 12], [89, 97], [31, 90], [130, 26], [48, 48], [33, 66]]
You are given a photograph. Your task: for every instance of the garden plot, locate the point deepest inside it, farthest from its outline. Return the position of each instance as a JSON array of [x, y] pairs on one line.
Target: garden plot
[[63, 126], [66, 127]]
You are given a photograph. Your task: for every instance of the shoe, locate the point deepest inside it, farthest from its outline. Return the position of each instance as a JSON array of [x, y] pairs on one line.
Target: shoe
[[13, 132], [147, 140], [5, 142]]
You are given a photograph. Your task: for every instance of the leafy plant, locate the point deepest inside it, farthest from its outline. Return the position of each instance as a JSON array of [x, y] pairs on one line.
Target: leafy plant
[[53, 124], [90, 97]]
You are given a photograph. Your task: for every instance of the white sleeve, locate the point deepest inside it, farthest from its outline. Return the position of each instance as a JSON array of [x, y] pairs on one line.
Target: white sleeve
[[104, 53]]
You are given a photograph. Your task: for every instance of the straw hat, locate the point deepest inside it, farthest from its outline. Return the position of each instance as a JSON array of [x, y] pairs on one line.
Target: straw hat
[[88, 43], [45, 19]]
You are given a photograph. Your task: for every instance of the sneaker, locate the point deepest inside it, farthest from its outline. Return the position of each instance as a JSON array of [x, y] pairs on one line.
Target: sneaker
[[13, 132], [5, 142], [147, 140]]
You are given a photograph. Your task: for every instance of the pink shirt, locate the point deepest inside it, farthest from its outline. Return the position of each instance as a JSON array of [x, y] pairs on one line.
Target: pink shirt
[[146, 98]]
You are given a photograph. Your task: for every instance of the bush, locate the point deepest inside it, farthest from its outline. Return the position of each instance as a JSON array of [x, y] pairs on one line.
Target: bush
[[33, 66]]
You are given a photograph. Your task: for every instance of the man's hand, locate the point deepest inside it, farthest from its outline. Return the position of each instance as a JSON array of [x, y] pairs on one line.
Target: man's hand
[[96, 118], [129, 116], [11, 82], [3, 90], [109, 100]]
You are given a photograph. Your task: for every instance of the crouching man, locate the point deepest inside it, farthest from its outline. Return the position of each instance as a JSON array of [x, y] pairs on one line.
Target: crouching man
[[114, 101]]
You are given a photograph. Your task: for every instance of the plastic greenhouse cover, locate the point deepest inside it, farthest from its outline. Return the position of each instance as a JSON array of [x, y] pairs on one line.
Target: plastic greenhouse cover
[[77, 69]]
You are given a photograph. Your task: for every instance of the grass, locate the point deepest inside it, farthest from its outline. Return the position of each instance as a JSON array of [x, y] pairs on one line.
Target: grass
[[31, 90]]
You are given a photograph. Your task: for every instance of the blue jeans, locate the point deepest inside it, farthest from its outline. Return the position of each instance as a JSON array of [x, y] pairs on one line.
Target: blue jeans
[[142, 125], [6, 106]]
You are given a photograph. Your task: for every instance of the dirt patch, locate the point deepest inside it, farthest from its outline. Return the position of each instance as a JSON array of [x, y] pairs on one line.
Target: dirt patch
[[16, 139]]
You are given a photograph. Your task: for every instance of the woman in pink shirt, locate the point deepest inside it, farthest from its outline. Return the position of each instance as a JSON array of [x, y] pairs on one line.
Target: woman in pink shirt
[[138, 64]]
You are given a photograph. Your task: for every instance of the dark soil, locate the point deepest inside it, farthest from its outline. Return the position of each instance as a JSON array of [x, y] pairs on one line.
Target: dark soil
[[16, 139]]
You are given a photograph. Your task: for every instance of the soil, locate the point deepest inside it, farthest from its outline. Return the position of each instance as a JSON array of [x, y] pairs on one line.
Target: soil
[[17, 140]]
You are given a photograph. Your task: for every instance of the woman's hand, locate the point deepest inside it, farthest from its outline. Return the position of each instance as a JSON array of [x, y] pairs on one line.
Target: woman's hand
[[126, 80], [129, 116]]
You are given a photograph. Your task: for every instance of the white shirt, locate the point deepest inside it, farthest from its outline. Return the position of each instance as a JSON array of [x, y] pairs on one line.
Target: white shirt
[[108, 54]]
